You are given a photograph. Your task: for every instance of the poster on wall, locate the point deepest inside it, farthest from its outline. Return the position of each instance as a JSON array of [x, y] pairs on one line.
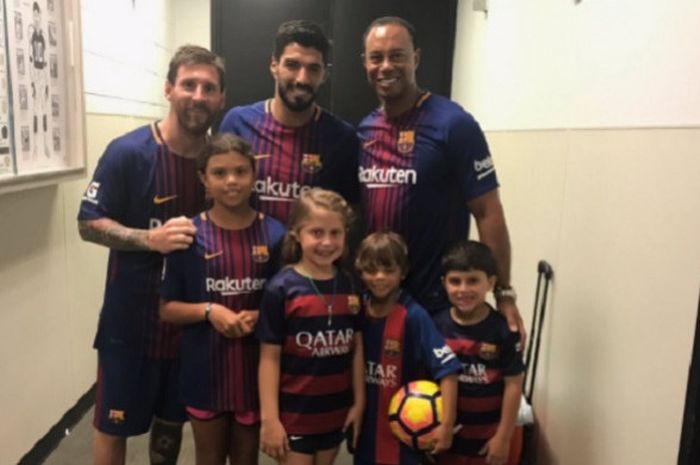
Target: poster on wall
[[7, 166], [35, 58]]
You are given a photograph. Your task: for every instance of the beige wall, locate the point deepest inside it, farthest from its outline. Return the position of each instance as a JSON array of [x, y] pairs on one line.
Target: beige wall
[[51, 287], [591, 110], [616, 214]]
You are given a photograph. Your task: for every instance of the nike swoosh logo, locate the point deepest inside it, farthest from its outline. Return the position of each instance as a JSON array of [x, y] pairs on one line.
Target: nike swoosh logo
[[295, 438], [261, 156], [158, 200], [368, 143], [209, 256]]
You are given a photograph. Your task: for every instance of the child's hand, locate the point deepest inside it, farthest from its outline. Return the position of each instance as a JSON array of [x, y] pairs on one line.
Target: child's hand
[[496, 450], [228, 322], [273, 439], [250, 319], [443, 439], [354, 421]]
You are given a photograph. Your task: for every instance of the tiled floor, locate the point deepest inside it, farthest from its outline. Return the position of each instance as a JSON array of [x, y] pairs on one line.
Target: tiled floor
[[76, 448]]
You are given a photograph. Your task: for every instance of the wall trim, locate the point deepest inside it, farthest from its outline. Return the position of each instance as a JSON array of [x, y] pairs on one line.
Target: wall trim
[[47, 444]]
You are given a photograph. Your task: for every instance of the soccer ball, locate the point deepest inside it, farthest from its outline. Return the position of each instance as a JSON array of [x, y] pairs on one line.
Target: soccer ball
[[415, 412]]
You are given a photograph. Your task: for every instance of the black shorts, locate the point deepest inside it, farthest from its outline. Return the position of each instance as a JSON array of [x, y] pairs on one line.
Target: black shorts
[[312, 443]]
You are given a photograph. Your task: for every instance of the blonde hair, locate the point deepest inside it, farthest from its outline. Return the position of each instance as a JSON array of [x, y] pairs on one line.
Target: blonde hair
[[301, 212]]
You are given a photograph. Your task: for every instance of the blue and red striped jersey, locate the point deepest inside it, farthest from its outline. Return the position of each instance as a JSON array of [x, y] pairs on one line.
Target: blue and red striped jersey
[[488, 351], [139, 183], [316, 332], [417, 172], [402, 347], [322, 153], [229, 267]]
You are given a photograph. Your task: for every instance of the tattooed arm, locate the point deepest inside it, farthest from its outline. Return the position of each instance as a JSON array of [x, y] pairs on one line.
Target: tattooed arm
[[175, 234]]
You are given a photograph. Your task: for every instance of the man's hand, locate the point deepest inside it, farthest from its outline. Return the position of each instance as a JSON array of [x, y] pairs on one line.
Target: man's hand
[[176, 234], [515, 322]]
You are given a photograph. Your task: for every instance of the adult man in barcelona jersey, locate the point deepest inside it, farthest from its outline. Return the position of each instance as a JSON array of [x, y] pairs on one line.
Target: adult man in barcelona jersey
[[424, 168], [298, 144], [144, 189]]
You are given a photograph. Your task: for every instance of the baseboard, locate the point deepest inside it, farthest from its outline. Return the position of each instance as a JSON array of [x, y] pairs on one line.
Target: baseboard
[[44, 446]]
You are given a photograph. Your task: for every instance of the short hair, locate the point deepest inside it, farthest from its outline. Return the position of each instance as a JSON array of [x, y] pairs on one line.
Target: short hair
[[196, 55], [302, 210], [305, 33], [382, 249], [223, 143], [468, 256], [385, 20], [35, 7]]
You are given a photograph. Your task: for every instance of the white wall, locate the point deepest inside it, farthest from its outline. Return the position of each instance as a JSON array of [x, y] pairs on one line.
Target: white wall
[[51, 282], [583, 107], [555, 64]]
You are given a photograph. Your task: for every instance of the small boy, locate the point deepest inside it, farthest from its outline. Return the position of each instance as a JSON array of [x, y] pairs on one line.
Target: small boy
[[401, 344], [492, 369]]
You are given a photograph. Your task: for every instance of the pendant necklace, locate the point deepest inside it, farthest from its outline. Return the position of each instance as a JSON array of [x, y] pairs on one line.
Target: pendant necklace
[[329, 305]]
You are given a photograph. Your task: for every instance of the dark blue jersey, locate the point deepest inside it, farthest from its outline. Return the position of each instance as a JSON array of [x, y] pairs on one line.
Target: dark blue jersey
[[317, 338], [322, 153], [140, 184], [403, 347], [228, 267], [417, 172], [488, 351]]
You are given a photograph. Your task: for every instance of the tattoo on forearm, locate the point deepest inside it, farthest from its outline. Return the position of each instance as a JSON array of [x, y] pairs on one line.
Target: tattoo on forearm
[[113, 235]]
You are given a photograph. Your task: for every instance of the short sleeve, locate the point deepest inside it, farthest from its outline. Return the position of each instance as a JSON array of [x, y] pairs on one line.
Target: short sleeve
[[271, 322], [351, 183], [105, 195], [437, 356], [173, 286], [511, 355], [469, 156]]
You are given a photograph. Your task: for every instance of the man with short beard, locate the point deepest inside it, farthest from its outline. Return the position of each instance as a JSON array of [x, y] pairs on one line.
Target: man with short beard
[[298, 144], [144, 189]]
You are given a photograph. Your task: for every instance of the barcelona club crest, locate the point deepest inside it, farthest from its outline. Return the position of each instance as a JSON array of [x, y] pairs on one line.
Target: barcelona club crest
[[354, 304], [311, 163], [116, 416], [407, 140], [392, 347], [260, 254], [488, 351]]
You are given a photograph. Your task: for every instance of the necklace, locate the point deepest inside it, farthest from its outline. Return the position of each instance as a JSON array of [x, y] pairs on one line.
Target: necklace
[[329, 305]]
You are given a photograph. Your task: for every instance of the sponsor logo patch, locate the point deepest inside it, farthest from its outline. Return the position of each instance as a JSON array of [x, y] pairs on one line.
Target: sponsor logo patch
[[159, 200], [209, 256]]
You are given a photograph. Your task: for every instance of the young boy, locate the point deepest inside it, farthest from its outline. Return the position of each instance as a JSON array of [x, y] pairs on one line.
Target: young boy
[[492, 367], [401, 344]]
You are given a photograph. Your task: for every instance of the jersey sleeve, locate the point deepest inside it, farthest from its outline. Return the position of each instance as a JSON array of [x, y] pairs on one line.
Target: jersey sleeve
[[511, 355], [105, 196], [469, 156], [351, 154], [173, 286], [271, 322], [437, 356]]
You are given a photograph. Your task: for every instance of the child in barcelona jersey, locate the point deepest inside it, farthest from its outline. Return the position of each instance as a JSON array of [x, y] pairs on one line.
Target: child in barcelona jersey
[[310, 329], [492, 369], [214, 288], [401, 344]]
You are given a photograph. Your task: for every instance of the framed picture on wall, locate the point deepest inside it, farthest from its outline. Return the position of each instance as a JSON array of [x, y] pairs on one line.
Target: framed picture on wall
[[45, 116]]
